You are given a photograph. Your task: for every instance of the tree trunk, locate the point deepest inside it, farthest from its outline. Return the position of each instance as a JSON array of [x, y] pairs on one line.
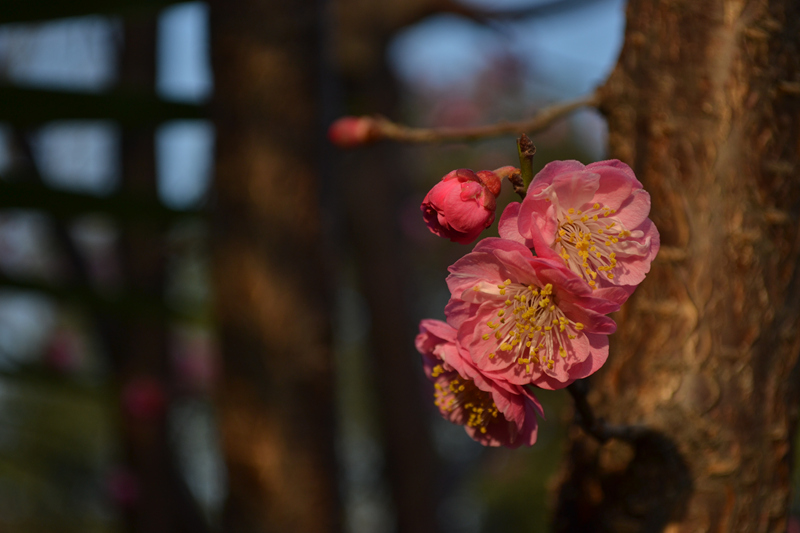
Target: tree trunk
[[276, 402], [705, 106]]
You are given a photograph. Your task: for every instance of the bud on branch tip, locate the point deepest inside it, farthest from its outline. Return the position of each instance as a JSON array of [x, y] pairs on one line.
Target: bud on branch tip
[[462, 204], [350, 132]]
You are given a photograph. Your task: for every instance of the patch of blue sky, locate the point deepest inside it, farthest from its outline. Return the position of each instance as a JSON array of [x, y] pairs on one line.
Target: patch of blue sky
[[79, 155], [443, 51], [573, 50], [569, 51], [184, 149], [72, 54], [184, 69], [26, 320], [184, 159]]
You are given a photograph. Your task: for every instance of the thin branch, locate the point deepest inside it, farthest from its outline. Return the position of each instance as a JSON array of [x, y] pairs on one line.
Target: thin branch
[[538, 10], [27, 191], [519, 184], [123, 304], [348, 132], [398, 15], [15, 11], [597, 427], [535, 124], [526, 151]]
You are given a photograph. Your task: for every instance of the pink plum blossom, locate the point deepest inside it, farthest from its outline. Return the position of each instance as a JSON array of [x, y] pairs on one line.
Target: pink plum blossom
[[593, 219], [493, 413], [524, 319], [462, 204]]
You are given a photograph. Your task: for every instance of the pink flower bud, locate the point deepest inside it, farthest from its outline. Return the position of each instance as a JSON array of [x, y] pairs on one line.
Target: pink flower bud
[[144, 398], [349, 132], [462, 205], [63, 352], [123, 487]]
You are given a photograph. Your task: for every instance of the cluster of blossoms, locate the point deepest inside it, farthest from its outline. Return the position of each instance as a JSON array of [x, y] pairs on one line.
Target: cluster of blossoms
[[529, 309]]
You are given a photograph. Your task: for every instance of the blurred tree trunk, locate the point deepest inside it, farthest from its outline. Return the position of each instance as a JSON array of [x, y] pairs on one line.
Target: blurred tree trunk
[[375, 186], [705, 106], [374, 211], [276, 402]]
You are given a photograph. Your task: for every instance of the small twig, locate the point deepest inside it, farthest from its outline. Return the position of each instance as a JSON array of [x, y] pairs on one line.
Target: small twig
[[538, 10], [512, 174], [519, 185], [597, 427], [526, 151], [789, 87], [382, 128]]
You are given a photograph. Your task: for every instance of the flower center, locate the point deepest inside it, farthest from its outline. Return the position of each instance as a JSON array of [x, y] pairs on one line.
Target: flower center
[[531, 328], [477, 408], [588, 244]]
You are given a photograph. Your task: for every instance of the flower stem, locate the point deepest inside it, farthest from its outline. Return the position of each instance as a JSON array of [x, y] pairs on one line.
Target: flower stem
[[526, 151]]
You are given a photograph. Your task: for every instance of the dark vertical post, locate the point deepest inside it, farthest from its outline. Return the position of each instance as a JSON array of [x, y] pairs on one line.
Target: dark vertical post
[[140, 346]]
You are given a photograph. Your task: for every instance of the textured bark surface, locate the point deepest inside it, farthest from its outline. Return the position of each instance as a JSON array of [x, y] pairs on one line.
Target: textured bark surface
[[705, 106], [276, 404]]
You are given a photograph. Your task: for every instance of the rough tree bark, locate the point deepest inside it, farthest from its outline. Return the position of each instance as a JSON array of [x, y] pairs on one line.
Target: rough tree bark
[[705, 106], [276, 401]]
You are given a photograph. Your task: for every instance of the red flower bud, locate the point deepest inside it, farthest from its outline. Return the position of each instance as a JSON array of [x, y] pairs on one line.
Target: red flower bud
[[349, 132], [462, 205], [144, 398]]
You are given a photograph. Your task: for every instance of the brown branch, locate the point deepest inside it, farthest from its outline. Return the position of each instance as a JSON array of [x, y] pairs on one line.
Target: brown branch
[[597, 427], [348, 132], [538, 10], [519, 185], [535, 124], [526, 151]]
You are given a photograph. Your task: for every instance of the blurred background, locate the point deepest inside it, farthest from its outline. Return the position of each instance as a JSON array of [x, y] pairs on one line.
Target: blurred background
[[113, 359]]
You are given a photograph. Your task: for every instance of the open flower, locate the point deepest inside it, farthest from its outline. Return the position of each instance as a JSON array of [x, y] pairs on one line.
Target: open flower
[[462, 204], [525, 319], [593, 219], [493, 413]]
